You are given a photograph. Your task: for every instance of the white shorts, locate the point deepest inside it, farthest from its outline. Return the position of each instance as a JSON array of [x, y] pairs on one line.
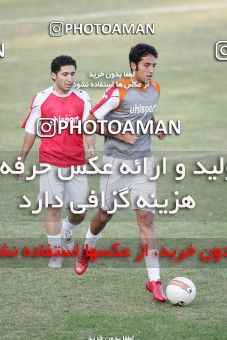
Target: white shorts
[[138, 185], [74, 190]]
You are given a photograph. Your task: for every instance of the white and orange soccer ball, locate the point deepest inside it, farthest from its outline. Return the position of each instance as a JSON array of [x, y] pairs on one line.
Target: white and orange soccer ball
[[181, 291]]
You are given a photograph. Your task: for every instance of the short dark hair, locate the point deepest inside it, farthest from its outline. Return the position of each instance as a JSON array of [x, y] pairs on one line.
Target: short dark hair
[[139, 51], [60, 61]]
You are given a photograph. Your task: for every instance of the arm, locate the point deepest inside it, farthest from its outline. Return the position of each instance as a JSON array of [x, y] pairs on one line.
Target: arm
[[89, 139], [30, 133], [109, 103], [127, 137], [29, 140], [90, 143]]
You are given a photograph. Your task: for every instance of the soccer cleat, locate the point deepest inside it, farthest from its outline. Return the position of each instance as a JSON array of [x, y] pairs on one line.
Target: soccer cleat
[[55, 262], [155, 287], [81, 262], [67, 242]]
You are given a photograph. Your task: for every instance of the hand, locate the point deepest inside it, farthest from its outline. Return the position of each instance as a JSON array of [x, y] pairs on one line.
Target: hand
[[161, 135], [91, 151], [18, 177], [128, 138]]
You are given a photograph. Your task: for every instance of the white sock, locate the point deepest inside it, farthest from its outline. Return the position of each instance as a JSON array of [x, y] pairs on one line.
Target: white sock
[[66, 225], [54, 241], [152, 265], [91, 239]]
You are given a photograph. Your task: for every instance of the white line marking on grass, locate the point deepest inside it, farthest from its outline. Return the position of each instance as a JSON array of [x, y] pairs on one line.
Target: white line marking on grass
[[172, 9]]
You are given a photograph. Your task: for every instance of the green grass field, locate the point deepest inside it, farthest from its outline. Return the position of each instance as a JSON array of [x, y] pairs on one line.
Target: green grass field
[[110, 300]]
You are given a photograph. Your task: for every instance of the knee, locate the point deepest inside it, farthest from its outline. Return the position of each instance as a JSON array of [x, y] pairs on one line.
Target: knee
[[76, 218], [53, 214], [103, 217], [145, 221]]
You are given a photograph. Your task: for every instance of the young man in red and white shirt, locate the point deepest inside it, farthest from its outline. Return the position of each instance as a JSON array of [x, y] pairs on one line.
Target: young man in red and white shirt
[[60, 102]]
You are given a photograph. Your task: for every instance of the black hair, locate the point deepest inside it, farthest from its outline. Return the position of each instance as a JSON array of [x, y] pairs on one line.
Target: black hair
[[139, 51], [60, 61]]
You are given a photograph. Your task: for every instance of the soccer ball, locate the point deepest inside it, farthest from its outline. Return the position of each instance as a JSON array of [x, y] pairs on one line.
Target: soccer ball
[[180, 291]]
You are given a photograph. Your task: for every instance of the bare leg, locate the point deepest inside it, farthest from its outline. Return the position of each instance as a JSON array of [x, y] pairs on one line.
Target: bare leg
[[53, 221], [75, 218], [154, 285], [145, 223], [98, 221], [53, 228]]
